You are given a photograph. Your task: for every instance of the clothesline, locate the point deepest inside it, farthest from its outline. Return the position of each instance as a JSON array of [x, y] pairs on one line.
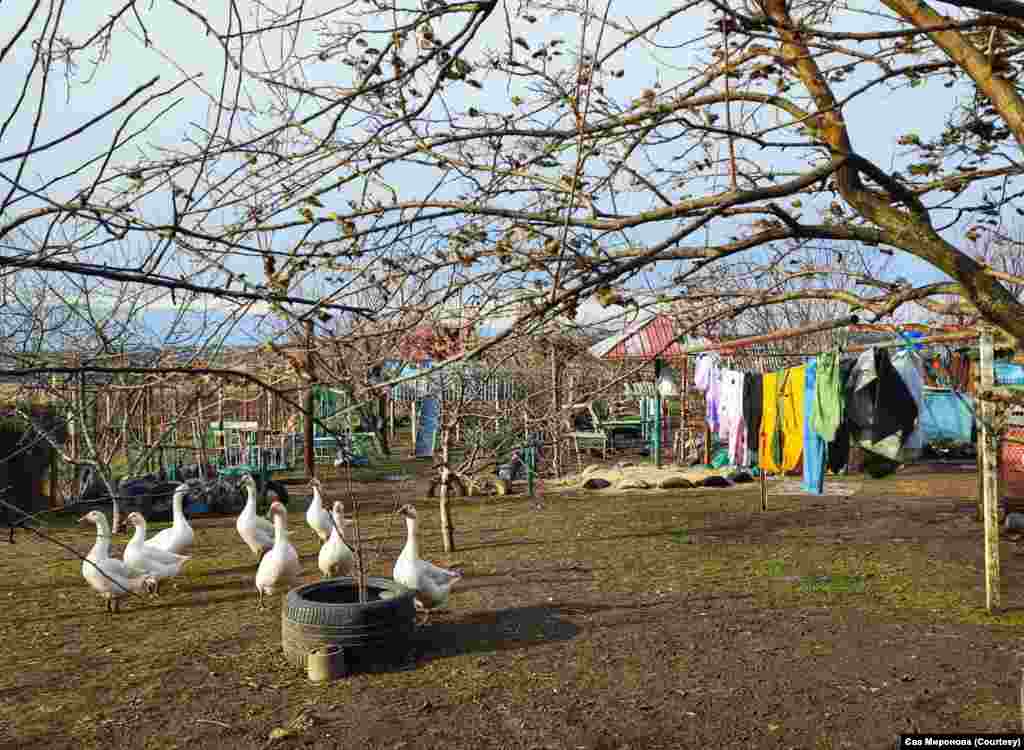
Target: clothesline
[[939, 338], [765, 338]]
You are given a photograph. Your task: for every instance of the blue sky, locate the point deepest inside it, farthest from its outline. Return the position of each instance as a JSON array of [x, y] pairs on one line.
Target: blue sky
[[874, 122]]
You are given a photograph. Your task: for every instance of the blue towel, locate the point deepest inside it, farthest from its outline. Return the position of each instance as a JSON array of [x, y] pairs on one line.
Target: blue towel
[[814, 444]]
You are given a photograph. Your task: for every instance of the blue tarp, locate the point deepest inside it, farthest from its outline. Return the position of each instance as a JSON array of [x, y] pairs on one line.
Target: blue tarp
[[1009, 373], [947, 415], [426, 431]]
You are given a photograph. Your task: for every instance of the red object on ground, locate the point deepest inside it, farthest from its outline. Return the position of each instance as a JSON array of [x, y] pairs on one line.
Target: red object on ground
[[1011, 470]]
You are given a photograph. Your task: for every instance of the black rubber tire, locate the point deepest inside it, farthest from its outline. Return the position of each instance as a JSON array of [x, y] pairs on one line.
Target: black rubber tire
[[716, 481], [280, 490], [227, 501], [380, 627]]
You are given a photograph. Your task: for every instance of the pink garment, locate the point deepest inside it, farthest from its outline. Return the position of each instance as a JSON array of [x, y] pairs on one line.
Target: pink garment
[[726, 402], [707, 378], [734, 428]]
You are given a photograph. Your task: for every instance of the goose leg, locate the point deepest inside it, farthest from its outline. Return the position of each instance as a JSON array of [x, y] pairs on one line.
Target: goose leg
[[259, 601], [108, 606], [117, 606]]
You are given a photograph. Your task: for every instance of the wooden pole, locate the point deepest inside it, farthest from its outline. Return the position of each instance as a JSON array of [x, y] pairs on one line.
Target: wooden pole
[[987, 462], [176, 419], [81, 446], [656, 442], [201, 430], [684, 428], [391, 419], [413, 411], [557, 367], [308, 422], [56, 500], [1022, 700], [939, 338], [381, 423], [447, 528], [764, 488], [788, 333], [147, 421]]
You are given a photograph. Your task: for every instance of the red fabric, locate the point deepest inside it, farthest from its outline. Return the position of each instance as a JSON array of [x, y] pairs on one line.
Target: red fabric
[[1011, 470], [433, 343]]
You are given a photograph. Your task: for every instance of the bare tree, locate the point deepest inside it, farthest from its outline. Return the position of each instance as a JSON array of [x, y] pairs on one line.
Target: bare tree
[[357, 161]]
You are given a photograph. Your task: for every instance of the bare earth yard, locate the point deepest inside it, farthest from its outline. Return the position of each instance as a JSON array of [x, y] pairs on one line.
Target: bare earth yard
[[638, 619]]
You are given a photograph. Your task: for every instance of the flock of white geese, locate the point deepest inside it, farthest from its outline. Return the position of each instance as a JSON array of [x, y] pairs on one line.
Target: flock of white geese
[[146, 562]]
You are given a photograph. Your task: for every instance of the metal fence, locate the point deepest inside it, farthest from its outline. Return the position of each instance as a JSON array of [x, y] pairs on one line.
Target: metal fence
[[468, 387]]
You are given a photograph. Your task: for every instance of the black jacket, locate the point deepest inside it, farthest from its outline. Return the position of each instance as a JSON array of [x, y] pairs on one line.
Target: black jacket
[[878, 403]]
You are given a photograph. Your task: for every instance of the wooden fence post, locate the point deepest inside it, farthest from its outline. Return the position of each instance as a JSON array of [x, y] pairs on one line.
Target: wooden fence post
[[987, 465]]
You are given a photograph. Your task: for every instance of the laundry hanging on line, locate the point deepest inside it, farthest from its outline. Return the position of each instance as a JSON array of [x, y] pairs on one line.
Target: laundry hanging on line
[[873, 401]]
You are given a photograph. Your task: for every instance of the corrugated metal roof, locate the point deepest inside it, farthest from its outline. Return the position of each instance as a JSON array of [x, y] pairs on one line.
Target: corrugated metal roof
[[645, 339]]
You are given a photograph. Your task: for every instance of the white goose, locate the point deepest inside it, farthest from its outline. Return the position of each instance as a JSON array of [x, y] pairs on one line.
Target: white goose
[[336, 557], [255, 531], [280, 567], [318, 517], [145, 558], [179, 537], [109, 577], [431, 583]]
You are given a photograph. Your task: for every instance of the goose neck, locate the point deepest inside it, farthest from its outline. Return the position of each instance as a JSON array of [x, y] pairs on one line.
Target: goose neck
[[410, 544], [280, 529], [178, 506], [139, 537], [250, 502], [101, 548]]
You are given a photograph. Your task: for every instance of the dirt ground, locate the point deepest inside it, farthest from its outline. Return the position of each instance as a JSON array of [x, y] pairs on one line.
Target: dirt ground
[[638, 619]]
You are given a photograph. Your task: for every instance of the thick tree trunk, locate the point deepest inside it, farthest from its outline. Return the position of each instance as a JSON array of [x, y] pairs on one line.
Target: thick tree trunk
[[557, 368], [900, 213]]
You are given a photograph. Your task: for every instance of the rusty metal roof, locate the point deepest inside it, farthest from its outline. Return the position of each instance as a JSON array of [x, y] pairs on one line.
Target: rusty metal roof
[[645, 339]]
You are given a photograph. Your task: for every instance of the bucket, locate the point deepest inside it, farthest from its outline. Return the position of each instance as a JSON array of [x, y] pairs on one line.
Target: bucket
[[326, 663]]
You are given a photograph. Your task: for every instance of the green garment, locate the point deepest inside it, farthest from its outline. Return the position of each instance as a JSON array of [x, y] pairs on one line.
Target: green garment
[[826, 412], [720, 459]]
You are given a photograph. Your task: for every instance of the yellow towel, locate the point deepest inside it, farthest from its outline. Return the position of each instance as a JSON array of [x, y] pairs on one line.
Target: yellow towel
[[785, 389], [793, 417]]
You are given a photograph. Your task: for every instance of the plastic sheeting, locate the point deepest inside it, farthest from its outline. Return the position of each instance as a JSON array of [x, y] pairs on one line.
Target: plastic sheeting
[[1009, 373], [947, 416], [908, 364]]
